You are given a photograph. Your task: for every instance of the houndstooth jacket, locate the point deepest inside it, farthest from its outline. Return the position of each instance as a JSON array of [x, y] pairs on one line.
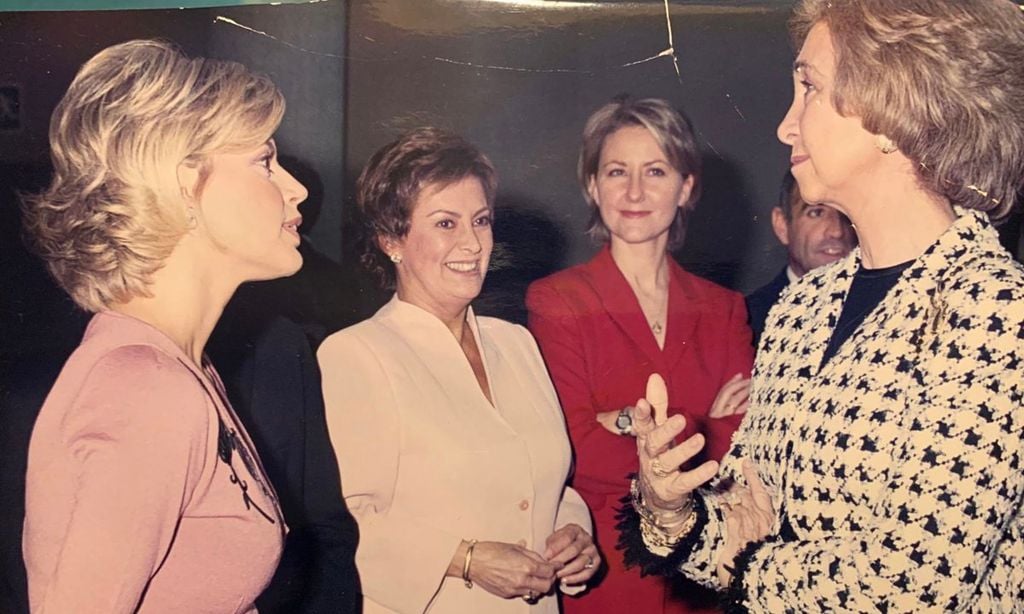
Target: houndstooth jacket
[[896, 466]]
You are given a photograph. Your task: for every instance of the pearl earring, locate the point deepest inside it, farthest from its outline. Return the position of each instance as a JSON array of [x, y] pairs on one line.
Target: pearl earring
[[885, 144], [396, 258]]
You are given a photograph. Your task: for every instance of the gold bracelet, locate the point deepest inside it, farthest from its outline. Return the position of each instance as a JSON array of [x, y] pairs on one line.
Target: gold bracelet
[[683, 512], [659, 538], [466, 562]]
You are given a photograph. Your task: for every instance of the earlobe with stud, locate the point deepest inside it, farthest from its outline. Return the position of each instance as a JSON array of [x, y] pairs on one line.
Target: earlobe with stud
[[885, 144], [396, 258]]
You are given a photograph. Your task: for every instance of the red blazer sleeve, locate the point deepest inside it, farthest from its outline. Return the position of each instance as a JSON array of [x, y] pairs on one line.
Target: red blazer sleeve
[[600, 465], [737, 344]]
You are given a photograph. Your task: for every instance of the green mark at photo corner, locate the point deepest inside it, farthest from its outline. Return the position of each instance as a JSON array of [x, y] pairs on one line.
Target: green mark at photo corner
[[121, 5]]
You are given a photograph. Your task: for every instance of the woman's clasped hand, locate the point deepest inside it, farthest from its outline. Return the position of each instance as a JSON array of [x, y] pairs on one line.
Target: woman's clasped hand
[[749, 515], [573, 550], [513, 570]]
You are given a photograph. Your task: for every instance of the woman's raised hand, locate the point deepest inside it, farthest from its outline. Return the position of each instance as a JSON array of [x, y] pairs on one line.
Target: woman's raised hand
[[665, 487]]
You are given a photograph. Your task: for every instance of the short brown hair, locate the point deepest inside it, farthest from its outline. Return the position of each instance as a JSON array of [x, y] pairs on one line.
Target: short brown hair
[[114, 211], [669, 128], [944, 79], [397, 173]]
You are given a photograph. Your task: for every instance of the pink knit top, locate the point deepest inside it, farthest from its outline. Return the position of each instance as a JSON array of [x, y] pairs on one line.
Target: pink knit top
[[144, 494]]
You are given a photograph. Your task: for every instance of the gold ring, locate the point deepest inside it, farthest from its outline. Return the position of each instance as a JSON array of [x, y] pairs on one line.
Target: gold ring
[[658, 470], [529, 596], [590, 563]]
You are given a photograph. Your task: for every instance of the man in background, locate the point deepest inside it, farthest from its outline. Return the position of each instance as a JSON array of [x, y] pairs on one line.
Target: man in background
[[814, 235]]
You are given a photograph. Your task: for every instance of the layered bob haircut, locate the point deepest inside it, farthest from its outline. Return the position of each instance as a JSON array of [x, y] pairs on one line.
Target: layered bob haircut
[[672, 132], [398, 173], [944, 79], [133, 115]]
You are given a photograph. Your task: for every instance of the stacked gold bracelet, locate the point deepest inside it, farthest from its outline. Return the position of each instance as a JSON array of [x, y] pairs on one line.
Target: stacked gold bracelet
[[661, 532], [466, 562]]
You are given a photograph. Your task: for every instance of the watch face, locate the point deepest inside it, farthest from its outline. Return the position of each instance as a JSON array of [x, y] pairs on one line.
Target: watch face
[[623, 422]]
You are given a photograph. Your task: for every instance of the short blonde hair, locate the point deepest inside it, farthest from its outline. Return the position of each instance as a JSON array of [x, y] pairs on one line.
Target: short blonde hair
[[672, 132], [134, 113], [944, 79]]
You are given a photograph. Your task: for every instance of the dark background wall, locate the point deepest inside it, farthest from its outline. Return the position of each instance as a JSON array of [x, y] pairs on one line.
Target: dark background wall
[[516, 77], [520, 81], [520, 78]]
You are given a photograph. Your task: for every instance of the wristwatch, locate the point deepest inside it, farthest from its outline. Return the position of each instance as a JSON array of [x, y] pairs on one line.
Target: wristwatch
[[624, 422]]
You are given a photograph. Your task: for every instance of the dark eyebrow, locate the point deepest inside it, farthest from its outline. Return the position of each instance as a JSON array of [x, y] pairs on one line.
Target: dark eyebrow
[[456, 214], [648, 163], [444, 211]]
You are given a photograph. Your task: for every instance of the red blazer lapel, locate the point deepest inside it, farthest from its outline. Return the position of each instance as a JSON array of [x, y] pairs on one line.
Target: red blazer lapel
[[621, 304], [682, 316]]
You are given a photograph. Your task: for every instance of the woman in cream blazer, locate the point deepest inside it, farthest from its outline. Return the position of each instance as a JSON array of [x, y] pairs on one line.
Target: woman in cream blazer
[[447, 429]]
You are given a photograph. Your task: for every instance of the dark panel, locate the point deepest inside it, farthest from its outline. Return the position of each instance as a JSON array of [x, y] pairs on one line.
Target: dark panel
[[520, 78]]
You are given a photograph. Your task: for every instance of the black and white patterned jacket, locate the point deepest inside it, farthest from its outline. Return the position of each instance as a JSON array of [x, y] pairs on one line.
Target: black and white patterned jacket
[[896, 465]]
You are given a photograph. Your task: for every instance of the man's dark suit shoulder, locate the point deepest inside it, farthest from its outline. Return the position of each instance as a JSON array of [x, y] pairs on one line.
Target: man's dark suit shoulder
[[760, 301], [273, 382]]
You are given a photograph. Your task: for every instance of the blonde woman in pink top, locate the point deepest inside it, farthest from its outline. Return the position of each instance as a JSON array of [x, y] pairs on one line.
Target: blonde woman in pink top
[[144, 493]]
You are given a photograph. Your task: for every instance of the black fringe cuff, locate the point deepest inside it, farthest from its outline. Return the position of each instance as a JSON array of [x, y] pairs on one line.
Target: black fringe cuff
[[734, 598], [635, 552]]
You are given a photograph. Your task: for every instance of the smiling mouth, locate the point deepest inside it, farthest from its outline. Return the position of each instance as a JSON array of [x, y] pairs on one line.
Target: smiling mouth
[[464, 267]]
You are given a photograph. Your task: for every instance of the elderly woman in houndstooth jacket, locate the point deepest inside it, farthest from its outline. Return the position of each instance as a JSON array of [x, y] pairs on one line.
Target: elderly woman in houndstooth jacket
[[879, 465]]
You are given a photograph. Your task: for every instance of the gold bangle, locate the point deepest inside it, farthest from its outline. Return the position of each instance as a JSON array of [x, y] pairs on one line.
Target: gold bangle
[[466, 562], [661, 520], [659, 538]]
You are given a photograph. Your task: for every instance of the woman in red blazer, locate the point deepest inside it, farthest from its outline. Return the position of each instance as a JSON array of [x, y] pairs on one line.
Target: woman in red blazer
[[605, 326]]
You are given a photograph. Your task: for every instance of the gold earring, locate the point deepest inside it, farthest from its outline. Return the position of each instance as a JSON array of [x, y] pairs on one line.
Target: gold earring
[[396, 258], [885, 144]]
